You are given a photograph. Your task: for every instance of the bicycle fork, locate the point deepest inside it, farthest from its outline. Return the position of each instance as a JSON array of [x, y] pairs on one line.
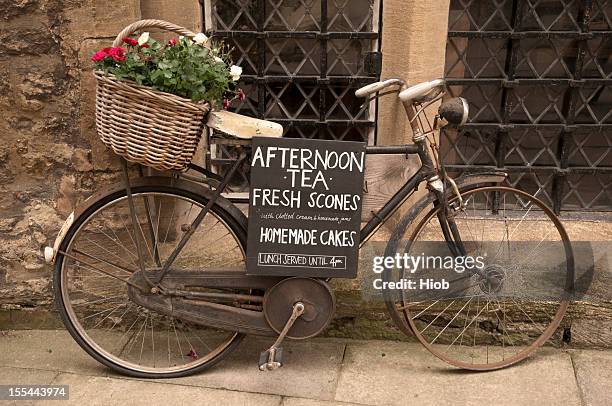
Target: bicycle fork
[[446, 216]]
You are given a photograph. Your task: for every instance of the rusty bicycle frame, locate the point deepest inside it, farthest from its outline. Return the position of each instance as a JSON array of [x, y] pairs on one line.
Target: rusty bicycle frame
[[166, 281]]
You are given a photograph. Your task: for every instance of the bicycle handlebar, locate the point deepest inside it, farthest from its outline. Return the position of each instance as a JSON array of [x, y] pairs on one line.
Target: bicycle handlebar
[[422, 89], [377, 87], [420, 92]]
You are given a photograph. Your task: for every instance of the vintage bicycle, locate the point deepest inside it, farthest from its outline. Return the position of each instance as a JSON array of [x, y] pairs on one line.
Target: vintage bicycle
[[150, 275]]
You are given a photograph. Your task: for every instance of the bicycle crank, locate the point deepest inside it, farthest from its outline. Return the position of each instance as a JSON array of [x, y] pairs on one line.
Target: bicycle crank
[[272, 358], [296, 308]]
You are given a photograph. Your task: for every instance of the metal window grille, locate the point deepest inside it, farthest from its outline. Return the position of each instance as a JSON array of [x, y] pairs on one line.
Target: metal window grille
[[302, 61], [538, 76]]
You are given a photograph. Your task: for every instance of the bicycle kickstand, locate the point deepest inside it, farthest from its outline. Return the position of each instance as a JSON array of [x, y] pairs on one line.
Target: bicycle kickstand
[[272, 358]]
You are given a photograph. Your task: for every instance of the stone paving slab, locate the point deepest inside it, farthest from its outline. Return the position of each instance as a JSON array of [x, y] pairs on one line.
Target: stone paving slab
[[387, 373], [13, 376], [103, 391], [20, 376], [319, 372], [313, 402], [311, 369], [46, 349], [594, 375]]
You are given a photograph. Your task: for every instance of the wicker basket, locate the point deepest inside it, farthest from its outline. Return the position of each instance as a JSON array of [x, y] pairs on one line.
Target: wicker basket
[[143, 125]]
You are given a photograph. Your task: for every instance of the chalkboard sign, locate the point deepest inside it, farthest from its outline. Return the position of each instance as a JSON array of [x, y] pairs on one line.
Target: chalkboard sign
[[305, 207]]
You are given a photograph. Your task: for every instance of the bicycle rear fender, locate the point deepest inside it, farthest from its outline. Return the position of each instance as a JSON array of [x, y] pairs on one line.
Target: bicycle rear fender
[[51, 252]]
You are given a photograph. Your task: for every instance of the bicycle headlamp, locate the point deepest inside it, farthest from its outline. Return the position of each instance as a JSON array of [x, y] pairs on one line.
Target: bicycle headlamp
[[455, 111]]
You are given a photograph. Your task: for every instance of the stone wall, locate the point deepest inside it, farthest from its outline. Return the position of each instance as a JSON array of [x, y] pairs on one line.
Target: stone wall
[[50, 157]]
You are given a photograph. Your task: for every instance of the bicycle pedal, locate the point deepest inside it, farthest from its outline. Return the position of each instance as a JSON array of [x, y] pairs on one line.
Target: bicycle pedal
[[271, 359]]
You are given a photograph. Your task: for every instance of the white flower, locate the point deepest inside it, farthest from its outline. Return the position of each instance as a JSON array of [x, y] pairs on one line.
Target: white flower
[[200, 39], [218, 60], [181, 37], [235, 72], [143, 39]]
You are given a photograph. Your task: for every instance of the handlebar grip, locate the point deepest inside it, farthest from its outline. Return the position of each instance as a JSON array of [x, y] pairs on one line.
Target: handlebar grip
[[419, 90], [376, 87]]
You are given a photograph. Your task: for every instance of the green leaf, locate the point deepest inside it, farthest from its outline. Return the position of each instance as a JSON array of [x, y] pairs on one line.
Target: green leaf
[[186, 69]]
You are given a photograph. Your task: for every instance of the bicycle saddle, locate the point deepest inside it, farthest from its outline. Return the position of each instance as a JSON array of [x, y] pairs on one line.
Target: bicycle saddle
[[243, 127]]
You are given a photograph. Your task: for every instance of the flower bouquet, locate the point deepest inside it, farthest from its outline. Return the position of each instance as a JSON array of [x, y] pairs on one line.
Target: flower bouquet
[[152, 98]]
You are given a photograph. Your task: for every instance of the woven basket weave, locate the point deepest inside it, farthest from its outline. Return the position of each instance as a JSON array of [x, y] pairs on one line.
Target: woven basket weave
[[143, 125]]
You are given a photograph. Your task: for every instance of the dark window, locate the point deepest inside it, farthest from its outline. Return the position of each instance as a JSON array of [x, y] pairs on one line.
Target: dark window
[[538, 76], [302, 61]]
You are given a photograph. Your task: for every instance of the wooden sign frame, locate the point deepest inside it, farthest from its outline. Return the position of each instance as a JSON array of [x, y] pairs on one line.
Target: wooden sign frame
[[305, 206]]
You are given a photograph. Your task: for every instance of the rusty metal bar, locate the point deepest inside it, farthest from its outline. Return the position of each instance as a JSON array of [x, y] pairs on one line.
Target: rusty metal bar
[[188, 294], [569, 109], [137, 233]]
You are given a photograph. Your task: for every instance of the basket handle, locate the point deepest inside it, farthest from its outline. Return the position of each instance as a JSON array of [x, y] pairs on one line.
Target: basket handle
[[139, 25]]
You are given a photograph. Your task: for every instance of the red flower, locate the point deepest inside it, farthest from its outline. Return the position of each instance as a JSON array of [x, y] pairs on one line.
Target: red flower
[[241, 95], [144, 46], [130, 41], [99, 56], [172, 42], [226, 104], [118, 54]]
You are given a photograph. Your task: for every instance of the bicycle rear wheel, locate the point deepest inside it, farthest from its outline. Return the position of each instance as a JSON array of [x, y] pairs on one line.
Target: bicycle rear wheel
[[99, 255], [493, 314]]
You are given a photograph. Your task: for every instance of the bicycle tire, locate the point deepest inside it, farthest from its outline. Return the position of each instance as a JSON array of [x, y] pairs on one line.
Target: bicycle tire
[[405, 320]]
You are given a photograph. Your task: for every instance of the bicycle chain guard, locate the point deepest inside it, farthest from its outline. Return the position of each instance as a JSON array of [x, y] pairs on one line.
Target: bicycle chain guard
[[319, 306]]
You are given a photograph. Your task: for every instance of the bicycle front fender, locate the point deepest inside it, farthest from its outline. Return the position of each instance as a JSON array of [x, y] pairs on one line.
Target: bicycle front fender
[[465, 182]]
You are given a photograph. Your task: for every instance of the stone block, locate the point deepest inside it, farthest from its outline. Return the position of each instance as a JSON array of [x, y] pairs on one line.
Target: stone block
[[185, 13], [15, 8], [594, 373], [78, 24], [101, 158], [66, 196], [112, 17], [81, 160], [35, 319], [36, 39]]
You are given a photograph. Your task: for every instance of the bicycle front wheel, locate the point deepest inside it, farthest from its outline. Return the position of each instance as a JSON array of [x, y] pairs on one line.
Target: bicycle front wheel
[[497, 308], [99, 255]]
